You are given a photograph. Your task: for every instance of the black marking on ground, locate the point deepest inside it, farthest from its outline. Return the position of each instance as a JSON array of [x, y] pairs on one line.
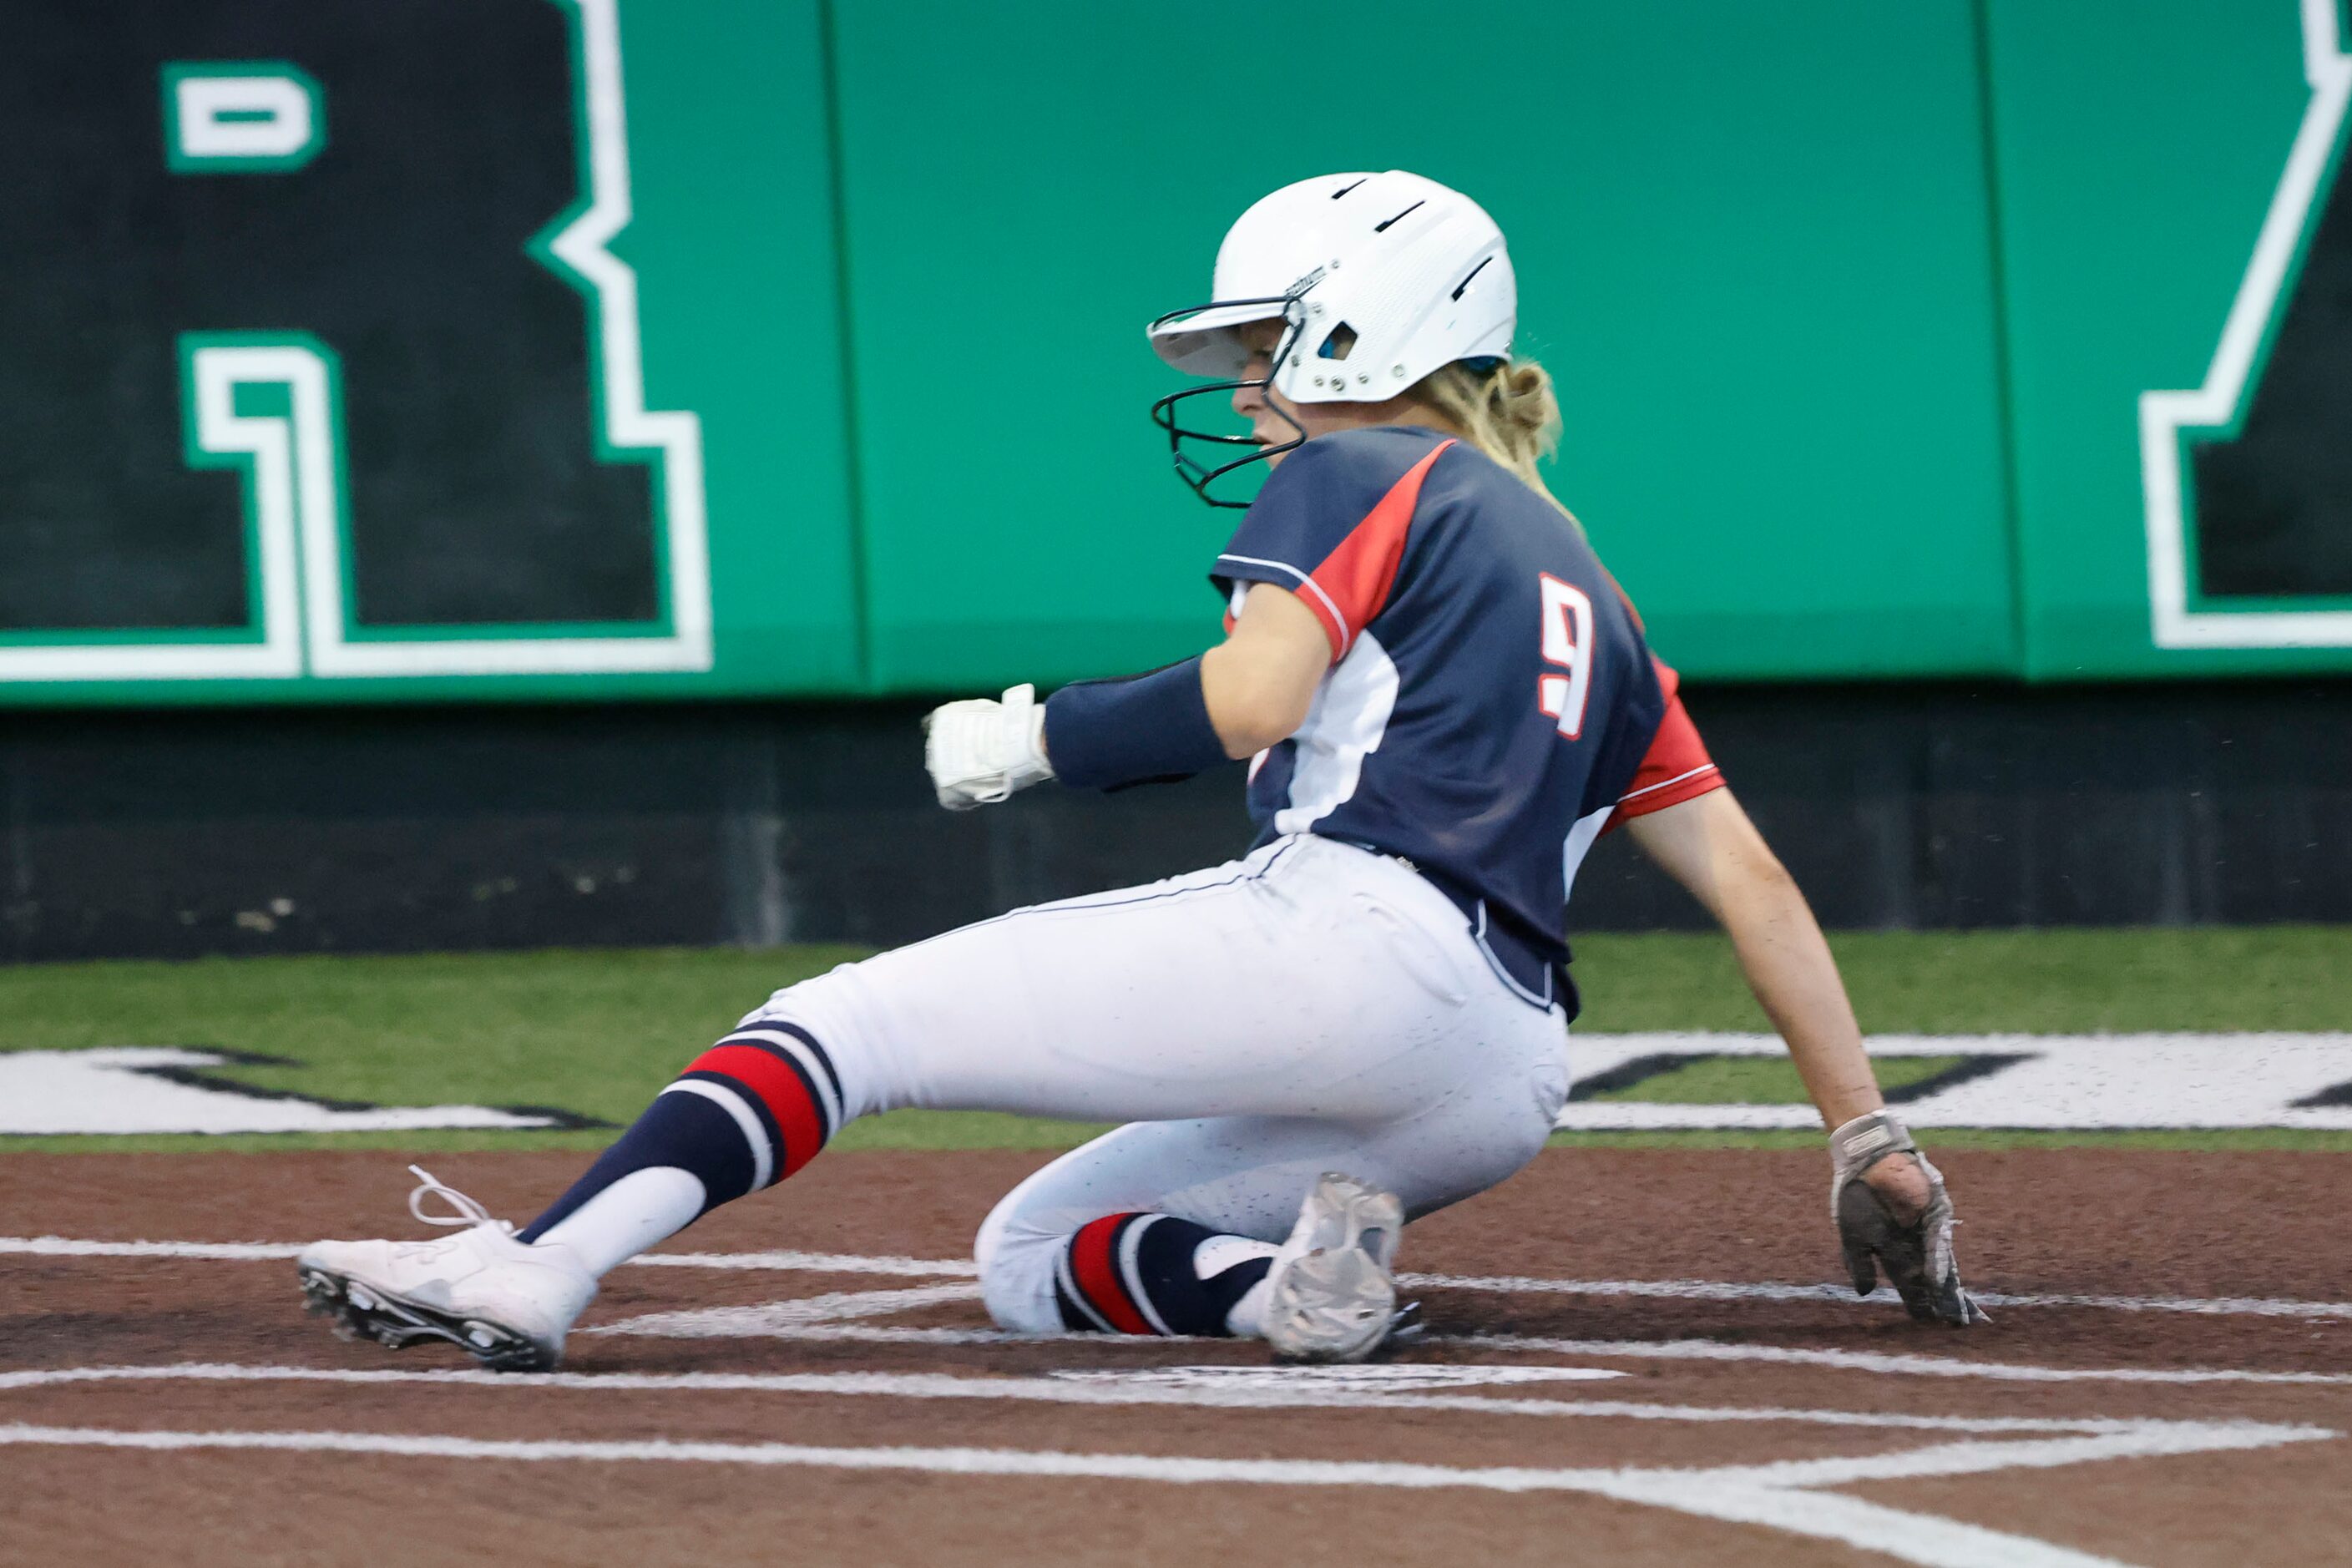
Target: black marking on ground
[[202, 1078], [1630, 1074]]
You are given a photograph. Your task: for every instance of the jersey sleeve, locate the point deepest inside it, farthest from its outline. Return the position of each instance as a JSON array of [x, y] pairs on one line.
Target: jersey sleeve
[[1330, 527], [1677, 768]]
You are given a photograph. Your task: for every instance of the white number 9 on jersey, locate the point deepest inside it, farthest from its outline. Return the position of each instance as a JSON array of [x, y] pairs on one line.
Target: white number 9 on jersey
[[1567, 642]]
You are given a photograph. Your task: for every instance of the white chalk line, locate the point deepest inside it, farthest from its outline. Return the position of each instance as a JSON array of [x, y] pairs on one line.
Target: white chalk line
[[2155, 1440], [963, 1268], [1880, 1361], [1291, 1389], [869, 1334], [1776, 1497], [815, 1263], [725, 1322], [837, 1317], [734, 1323], [220, 1251], [264, 1251], [1725, 1291], [830, 1317]]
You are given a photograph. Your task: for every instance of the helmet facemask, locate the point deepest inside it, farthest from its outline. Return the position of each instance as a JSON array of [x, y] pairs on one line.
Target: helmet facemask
[[1198, 472], [1393, 274]]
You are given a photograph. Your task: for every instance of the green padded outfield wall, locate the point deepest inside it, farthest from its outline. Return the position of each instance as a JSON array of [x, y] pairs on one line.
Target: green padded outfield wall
[[2177, 252], [516, 378], [516, 349], [1752, 243]]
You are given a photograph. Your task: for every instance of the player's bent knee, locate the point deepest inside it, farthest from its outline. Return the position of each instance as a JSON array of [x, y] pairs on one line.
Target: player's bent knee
[[824, 1014], [1016, 1265], [1512, 1145], [1016, 1284]]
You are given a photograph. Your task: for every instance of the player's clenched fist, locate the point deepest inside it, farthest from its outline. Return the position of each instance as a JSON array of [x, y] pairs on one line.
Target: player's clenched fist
[[982, 750]]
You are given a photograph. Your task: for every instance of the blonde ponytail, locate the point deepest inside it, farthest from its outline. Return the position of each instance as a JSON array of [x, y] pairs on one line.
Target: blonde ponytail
[[1506, 410]]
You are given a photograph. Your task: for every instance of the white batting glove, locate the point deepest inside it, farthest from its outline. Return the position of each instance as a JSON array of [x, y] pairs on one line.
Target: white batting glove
[[980, 750]]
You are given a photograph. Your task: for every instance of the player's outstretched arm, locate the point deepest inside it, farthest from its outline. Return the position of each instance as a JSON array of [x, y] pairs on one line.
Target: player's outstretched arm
[[1246, 694], [1888, 1200], [1708, 845]]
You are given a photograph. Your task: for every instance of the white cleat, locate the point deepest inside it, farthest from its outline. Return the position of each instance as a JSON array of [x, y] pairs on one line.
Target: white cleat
[[1331, 1296], [505, 1303]]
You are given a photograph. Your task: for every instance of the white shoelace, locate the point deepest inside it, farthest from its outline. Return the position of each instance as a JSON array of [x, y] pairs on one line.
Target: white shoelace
[[470, 1213]]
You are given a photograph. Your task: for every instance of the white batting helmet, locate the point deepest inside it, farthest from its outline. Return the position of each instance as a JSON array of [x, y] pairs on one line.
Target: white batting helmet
[[1381, 277]]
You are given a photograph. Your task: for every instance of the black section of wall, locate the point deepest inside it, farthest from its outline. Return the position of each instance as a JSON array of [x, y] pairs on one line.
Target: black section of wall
[[177, 835], [2273, 505], [476, 496]]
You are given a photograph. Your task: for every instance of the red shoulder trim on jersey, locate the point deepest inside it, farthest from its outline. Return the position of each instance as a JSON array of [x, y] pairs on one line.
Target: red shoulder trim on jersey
[[1677, 768], [1352, 583]]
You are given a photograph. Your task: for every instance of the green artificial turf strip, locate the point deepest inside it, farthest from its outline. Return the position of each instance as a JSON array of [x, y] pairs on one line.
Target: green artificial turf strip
[[899, 1130], [599, 1032], [1758, 1080], [989, 1130], [592, 1032], [2305, 1140], [2053, 981]]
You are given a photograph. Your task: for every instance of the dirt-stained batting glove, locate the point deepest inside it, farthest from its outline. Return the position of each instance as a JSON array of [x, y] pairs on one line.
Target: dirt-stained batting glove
[[980, 750], [1917, 1257]]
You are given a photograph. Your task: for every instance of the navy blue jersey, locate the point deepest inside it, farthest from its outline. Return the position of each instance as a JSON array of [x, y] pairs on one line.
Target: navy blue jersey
[[1491, 698]]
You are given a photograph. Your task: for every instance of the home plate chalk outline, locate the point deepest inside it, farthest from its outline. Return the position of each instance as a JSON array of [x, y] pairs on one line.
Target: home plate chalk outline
[[847, 1306], [843, 1316], [1788, 1496]]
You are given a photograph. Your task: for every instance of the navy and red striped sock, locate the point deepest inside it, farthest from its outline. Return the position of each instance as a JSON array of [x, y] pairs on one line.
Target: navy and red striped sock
[[1155, 1274], [745, 1114]]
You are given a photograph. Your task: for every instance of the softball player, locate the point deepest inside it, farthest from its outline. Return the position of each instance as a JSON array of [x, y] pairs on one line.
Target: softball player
[[1445, 701]]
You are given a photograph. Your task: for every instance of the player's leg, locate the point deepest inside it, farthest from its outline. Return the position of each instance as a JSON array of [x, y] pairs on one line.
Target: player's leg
[[1302, 981], [1171, 1227], [1312, 980]]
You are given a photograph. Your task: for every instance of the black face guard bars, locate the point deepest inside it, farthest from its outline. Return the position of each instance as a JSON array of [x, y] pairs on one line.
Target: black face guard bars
[[1196, 472]]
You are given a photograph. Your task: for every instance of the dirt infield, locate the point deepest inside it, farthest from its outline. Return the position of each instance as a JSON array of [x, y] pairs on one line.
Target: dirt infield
[[1632, 1361]]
